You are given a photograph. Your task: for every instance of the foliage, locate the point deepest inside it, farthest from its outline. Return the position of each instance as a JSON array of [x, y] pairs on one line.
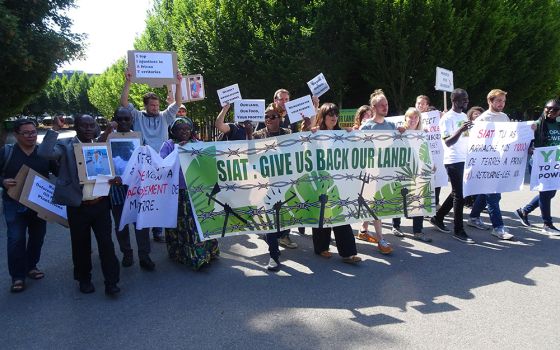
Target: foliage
[[35, 38]]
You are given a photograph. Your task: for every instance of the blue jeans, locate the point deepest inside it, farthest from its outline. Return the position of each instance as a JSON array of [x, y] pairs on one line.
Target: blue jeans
[[543, 201], [493, 201], [23, 256]]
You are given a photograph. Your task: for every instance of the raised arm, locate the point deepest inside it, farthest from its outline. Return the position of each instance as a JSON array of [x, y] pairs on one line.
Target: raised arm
[[220, 124], [178, 88], [126, 88]]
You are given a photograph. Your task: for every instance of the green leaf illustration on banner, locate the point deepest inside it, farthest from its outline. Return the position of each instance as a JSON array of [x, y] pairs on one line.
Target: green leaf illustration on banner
[[306, 206], [424, 153], [389, 200]]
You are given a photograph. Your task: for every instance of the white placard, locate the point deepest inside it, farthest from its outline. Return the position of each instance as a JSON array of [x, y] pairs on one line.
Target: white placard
[[430, 121], [318, 85], [398, 120], [496, 157], [229, 94], [545, 173], [101, 186], [252, 110], [153, 65], [41, 193], [184, 92], [153, 187], [300, 108], [444, 79]]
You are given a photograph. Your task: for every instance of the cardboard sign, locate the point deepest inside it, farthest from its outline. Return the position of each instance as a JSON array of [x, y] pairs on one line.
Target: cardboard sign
[[122, 145], [155, 68], [300, 108], [318, 85], [195, 87], [184, 92], [444, 79], [252, 110], [93, 159], [15, 191], [229, 94], [37, 193]]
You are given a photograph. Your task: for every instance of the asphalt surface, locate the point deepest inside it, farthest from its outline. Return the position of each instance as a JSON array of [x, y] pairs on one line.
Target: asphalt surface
[[446, 294]]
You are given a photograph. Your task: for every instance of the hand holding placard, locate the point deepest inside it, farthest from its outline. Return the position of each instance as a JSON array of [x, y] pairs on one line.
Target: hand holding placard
[[318, 85], [300, 108], [229, 94], [252, 110]]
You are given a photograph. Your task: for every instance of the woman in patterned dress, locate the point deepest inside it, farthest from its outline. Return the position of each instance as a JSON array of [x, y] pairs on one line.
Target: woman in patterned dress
[[183, 242]]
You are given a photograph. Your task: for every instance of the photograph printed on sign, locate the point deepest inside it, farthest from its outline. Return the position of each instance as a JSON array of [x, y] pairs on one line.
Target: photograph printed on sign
[[121, 151]]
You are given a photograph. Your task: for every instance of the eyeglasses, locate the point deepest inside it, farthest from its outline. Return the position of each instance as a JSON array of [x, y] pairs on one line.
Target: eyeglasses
[[271, 117], [552, 108], [28, 133]]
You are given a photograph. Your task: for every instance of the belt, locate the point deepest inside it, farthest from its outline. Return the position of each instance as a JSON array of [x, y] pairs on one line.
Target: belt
[[93, 201]]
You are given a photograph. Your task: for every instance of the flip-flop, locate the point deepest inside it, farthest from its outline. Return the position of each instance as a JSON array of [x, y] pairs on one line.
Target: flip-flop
[[17, 286], [36, 274]]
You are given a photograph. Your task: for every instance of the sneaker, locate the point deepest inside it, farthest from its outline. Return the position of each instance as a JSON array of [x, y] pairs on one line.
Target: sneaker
[[384, 247], [273, 265], [523, 217], [127, 260], [286, 242], [477, 222], [364, 236], [463, 237], [397, 232], [550, 230], [502, 233], [147, 264], [354, 259], [439, 225], [422, 237]]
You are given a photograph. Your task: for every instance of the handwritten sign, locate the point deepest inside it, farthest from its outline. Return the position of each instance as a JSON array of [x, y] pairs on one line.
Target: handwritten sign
[[300, 108], [444, 79], [318, 85], [546, 169], [430, 121], [155, 68], [184, 92], [252, 110], [229, 94], [496, 157], [153, 187]]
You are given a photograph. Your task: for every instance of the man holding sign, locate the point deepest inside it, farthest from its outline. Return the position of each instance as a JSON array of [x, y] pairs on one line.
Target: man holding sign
[[152, 123], [21, 221]]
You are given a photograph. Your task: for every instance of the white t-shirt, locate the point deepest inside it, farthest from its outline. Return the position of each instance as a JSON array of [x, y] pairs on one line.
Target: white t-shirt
[[448, 125], [488, 116]]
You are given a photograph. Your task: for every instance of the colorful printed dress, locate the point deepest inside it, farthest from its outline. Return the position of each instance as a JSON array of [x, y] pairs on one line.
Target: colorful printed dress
[[183, 242]]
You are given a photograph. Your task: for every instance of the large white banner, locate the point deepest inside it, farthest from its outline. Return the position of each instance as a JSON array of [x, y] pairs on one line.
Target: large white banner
[[545, 174], [153, 186], [497, 157]]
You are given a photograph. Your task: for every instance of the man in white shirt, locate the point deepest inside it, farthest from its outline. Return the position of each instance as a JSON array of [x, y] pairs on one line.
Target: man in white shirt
[[496, 102], [454, 127]]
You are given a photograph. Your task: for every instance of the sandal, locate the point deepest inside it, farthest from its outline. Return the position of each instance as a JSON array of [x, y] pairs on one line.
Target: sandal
[[36, 274], [352, 259], [326, 254], [17, 286]]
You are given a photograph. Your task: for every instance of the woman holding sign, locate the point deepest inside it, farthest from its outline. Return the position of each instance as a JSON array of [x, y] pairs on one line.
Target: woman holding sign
[[183, 242], [327, 119], [546, 134]]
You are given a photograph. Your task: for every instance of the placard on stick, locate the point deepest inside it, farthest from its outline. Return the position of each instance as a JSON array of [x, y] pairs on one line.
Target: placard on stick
[[93, 159], [155, 68]]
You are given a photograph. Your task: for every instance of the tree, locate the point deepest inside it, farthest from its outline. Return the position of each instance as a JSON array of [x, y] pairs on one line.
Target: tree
[[35, 38]]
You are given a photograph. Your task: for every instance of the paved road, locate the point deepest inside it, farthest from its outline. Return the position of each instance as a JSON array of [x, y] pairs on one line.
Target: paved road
[[443, 295]]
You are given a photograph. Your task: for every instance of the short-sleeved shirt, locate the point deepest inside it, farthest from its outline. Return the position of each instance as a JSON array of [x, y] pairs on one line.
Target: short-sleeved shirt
[[448, 125], [371, 125], [236, 132], [489, 116], [153, 128]]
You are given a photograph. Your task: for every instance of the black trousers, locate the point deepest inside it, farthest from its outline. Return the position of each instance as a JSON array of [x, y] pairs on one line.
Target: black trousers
[[344, 236], [455, 199], [82, 220]]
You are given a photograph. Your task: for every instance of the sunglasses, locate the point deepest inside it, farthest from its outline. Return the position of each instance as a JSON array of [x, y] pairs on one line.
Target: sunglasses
[[552, 108], [271, 117]]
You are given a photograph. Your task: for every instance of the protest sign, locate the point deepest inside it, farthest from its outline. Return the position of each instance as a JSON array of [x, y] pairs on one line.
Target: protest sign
[[318, 85], [153, 186], [229, 94], [121, 145], [322, 179], [398, 120], [195, 87], [93, 159], [545, 173], [252, 110], [444, 80], [430, 121], [37, 195], [172, 88], [155, 68], [496, 158], [300, 108]]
